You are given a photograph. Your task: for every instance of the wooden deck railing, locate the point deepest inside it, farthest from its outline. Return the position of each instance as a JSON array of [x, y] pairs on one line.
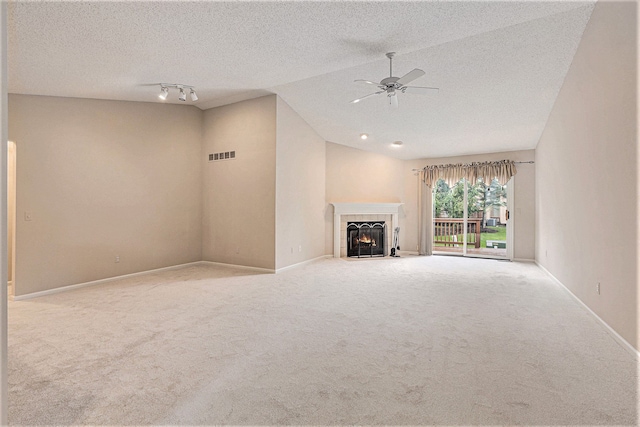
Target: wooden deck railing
[[450, 231]]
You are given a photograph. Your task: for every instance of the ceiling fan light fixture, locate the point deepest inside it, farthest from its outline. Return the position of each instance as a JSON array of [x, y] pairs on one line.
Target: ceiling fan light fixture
[[364, 136]]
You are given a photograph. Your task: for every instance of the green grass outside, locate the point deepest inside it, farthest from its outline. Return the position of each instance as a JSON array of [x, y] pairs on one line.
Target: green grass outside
[[501, 234]]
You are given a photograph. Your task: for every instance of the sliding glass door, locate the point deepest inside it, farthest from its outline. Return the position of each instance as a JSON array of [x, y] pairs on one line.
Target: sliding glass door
[[448, 217], [470, 219]]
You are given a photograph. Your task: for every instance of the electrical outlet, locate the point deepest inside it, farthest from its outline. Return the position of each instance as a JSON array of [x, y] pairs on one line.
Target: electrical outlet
[[117, 258], [598, 288], [300, 248], [237, 250]]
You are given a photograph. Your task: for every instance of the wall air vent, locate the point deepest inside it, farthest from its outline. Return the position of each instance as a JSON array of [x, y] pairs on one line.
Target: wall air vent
[[227, 155]]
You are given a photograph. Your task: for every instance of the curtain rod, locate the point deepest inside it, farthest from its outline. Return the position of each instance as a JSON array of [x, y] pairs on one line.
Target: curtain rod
[[517, 163]]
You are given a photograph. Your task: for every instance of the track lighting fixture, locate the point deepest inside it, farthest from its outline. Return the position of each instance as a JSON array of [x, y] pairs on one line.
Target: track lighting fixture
[[164, 91]]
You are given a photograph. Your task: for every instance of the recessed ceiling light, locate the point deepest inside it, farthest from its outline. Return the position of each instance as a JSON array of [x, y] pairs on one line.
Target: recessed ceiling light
[[364, 136], [396, 144]]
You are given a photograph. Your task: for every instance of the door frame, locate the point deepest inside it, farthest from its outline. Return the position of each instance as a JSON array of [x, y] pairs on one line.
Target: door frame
[[510, 220], [11, 215]]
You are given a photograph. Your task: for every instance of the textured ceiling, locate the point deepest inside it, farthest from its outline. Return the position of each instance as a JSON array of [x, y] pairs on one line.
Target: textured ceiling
[[499, 65]]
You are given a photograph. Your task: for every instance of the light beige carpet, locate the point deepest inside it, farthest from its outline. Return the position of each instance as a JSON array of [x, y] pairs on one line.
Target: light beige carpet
[[411, 340]]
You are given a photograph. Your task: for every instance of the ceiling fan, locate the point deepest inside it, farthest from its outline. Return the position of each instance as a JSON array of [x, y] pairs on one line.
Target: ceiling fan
[[392, 85]]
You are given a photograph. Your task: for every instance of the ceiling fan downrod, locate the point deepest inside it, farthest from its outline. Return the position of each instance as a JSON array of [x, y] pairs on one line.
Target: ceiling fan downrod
[[390, 55]]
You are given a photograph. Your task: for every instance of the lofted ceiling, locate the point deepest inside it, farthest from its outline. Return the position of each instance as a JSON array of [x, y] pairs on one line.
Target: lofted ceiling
[[499, 65]]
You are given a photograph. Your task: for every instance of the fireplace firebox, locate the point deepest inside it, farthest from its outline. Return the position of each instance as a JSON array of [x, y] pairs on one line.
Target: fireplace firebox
[[365, 239]]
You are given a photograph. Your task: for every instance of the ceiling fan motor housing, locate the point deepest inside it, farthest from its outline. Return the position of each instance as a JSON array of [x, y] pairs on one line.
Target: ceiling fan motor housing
[[389, 81], [389, 84]]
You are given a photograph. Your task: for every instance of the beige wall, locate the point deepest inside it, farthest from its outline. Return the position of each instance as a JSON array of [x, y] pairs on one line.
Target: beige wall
[[356, 176], [300, 189], [102, 179], [524, 198], [239, 196], [585, 167]]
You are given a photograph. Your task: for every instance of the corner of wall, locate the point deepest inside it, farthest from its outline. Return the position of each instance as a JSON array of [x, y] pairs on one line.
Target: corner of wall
[[239, 194], [300, 189], [113, 186]]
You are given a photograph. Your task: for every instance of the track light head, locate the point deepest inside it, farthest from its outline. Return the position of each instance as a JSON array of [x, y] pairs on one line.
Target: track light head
[[164, 92]]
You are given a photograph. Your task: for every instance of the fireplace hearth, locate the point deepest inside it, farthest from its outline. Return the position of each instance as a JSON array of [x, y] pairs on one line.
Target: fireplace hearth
[[365, 239]]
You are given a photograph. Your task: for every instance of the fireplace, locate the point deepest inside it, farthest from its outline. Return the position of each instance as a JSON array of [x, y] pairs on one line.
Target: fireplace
[[365, 239], [344, 213]]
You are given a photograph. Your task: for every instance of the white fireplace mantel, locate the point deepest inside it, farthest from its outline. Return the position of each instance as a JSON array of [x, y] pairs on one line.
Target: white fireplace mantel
[[340, 209]]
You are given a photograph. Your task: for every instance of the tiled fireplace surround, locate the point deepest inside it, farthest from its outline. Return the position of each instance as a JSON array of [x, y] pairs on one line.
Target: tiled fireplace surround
[[352, 212]]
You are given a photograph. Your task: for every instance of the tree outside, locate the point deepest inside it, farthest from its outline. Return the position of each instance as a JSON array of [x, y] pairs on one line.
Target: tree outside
[[487, 197], [449, 202]]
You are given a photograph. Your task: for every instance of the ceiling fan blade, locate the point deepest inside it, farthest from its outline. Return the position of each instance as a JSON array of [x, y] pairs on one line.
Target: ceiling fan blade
[[367, 82], [371, 94], [420, 90], [410, 76], [393, 101]]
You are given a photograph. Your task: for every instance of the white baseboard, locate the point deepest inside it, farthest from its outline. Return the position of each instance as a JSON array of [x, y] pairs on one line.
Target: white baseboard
[[97, 282], [524, 260], [300, 264], [140, 273], [242, 267], [266, 270], [624, 343]]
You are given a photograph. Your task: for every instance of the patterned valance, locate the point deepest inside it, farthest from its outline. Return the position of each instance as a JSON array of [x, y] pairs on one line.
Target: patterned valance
[[502, 170]]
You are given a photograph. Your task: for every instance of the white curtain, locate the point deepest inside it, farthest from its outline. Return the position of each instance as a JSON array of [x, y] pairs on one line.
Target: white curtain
[[425, 216], [501, 170]]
